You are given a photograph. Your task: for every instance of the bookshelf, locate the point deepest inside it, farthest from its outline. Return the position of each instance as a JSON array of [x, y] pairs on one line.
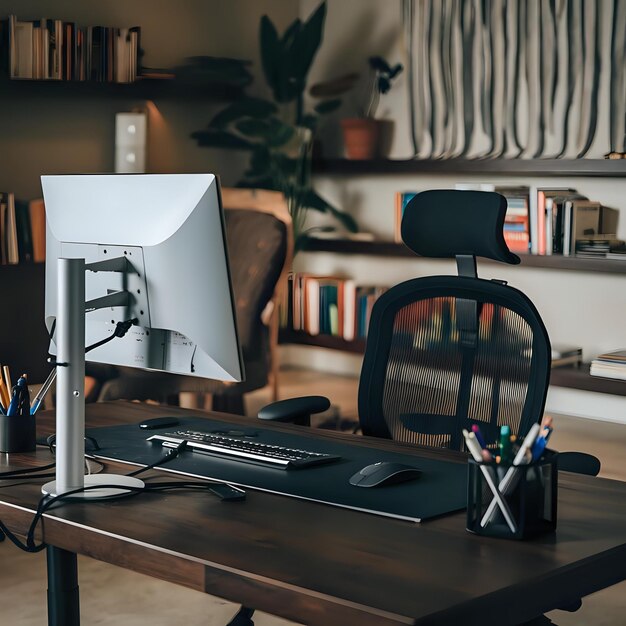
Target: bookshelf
[[528, 168], [392, 249], [571, 377], [142, 88]]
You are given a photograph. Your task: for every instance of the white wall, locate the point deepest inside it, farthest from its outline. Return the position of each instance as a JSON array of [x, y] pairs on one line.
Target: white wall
[[63, 134]]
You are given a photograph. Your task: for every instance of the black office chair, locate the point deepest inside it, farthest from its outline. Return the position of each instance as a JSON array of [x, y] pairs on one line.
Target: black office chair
[[444, 352]]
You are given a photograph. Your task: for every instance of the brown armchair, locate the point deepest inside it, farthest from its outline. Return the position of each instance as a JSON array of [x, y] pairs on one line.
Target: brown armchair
[[260, 247]]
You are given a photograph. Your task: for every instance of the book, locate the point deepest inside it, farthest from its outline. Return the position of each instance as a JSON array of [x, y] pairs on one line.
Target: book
[[402, 198], [8, 229], [37, 215], [618, 356], [23, 232], [516, 228], [21, 52], [607, 369], [585, 220]]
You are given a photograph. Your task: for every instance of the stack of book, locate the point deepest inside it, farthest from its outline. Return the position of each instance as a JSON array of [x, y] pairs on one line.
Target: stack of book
[[56, 50], [516, 222], [22, 230], [610, 365], [328, 305]]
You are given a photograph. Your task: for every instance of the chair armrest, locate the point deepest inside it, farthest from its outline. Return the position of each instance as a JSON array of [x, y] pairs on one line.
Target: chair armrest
[[294, 410], [578, 462]]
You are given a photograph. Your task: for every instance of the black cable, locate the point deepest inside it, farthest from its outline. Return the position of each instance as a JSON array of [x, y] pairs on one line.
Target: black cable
[[121, 328], [48, 501], [27, 470], [170, 455]]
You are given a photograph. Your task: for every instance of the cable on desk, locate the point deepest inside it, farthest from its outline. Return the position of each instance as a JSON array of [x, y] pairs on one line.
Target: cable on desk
[[46, 502], [170, 455]]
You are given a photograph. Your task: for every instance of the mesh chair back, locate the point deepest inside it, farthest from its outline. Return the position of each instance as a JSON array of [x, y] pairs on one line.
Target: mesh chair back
[[429, 371]]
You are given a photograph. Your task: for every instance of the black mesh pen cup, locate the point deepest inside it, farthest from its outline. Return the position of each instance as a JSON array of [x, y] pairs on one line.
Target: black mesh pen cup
[[526, 500], [17, 433]]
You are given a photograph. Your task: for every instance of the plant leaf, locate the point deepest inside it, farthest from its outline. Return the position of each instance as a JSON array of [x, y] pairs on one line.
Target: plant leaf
[[266, 182], [279, 133], [309, 42], [246, 107], [334, 87], [309, 121], [379, 64], [396, 70], [383, 84], [221, 139], [314, 201], [253, 127], [291, 34], [270, 52], [327, 106]]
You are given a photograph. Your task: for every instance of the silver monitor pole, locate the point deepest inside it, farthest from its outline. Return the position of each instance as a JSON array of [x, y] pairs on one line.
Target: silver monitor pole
[[70, 403]]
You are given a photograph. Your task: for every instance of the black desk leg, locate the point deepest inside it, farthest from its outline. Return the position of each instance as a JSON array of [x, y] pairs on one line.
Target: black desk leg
[[63, 599]]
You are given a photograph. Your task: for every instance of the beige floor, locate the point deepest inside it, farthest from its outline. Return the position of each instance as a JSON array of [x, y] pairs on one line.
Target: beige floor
[[113, 596]]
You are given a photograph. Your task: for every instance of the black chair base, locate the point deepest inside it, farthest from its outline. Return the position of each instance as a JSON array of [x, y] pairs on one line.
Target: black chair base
[[243, 617]]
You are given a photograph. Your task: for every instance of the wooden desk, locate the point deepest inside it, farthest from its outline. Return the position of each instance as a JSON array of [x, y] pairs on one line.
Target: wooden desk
[[318, 564]]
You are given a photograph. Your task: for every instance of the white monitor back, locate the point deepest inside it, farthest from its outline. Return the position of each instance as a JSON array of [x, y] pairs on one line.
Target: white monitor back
[[170, 228]]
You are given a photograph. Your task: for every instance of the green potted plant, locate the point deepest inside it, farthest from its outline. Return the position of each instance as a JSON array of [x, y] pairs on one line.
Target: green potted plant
[[278, 133], [363, 135]]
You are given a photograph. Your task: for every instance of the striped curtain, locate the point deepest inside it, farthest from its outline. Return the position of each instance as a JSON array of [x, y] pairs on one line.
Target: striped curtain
[[516, 78]]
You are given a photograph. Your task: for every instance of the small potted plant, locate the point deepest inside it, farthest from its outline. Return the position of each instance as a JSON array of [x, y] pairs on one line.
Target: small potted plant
[[363, 136]]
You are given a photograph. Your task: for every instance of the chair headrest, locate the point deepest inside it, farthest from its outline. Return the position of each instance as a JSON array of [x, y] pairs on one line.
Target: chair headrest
[[445, 223]]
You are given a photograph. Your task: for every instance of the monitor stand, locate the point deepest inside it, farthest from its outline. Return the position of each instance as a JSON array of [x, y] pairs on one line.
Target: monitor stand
[[70, 403]]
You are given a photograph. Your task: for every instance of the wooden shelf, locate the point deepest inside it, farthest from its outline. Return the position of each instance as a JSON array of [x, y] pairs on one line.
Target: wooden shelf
[[571, 377], [392, 249], [608, 168], [580, 378], [287, 336], [143, 88]]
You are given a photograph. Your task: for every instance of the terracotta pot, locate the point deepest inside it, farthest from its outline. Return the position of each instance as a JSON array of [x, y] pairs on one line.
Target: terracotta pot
[[367, 138], [361, 137]]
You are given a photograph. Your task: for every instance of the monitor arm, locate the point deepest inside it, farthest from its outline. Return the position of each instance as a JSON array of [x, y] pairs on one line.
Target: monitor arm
[[70, 403], [115, 298]]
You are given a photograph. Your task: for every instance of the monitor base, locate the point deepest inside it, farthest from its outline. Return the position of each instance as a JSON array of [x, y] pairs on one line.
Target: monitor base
[[113, 486]]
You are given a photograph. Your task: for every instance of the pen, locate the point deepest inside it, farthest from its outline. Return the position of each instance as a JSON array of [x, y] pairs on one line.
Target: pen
[[506, 450], [41, 394], [475, 450], [507, 483], [7, 377], [5, 396], [20, 391], [482, 442]]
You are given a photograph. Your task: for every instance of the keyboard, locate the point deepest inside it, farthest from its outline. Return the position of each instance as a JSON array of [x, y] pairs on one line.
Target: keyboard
[[243, 449]]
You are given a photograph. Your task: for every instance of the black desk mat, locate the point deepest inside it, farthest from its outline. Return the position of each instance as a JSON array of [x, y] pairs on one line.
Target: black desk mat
[[442, 487]]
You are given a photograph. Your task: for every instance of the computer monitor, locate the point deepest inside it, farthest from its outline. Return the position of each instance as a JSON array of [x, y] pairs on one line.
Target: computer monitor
[[154, 250]]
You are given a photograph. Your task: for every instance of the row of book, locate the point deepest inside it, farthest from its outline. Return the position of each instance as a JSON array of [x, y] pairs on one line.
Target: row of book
[[56, 50], [22, 230], [548, 221], [610, 365], [328, 305]]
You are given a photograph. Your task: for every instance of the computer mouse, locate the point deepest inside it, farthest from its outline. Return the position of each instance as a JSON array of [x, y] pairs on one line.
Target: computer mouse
[[159, 422], [384, 473]]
